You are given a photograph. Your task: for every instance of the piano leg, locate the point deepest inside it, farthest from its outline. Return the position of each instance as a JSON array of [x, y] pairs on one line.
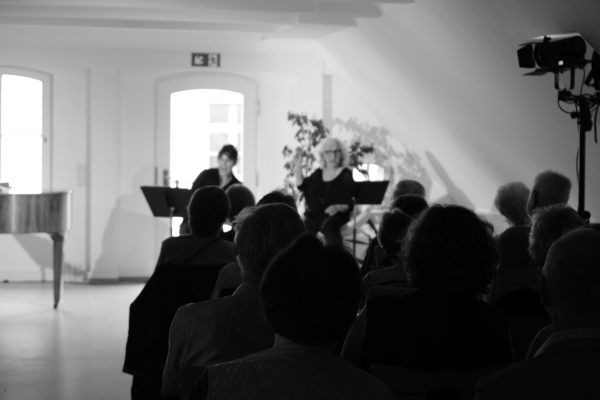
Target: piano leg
[[58, 240]]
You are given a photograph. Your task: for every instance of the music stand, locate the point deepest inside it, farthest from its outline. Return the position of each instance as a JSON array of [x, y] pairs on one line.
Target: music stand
[[368, 192], [166, 201]]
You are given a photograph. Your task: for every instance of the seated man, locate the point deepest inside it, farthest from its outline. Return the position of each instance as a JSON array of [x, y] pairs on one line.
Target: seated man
[[230, 277], [229, 327], [208, 209], [567, 365], [310, 295]]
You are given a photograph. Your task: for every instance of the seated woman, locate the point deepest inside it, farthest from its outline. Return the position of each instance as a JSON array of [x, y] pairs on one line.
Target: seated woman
[[239, 197], [309, 295], [207, 210], [390, 236], [328, 191], [450, 257]]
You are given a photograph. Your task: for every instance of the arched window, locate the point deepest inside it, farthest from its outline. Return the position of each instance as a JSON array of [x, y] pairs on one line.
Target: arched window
[[24, 128]]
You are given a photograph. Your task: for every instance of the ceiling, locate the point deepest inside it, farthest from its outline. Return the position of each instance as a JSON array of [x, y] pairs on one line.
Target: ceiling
[[267, 18]]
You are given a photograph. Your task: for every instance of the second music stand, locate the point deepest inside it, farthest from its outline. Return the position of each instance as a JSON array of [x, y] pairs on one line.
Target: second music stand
[[368, 192], [166, 201]]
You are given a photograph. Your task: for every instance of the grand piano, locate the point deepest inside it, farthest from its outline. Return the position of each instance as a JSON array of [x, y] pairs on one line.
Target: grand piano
[[48, 212]]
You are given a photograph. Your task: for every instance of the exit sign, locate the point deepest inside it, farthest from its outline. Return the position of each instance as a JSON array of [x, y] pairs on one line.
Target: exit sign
[[206, 60]]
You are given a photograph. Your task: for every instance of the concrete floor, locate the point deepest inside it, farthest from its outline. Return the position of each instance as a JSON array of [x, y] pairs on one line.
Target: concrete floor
[[74, 352]]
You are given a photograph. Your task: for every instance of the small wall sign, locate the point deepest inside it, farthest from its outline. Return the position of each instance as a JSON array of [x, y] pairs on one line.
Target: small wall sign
[[211, 60]]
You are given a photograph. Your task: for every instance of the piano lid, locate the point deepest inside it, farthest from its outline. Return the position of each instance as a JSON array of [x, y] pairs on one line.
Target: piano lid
[[41, 212]]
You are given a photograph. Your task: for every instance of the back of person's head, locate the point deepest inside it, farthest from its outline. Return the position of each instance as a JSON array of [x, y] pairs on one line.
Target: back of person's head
[[549, 188], [392, 231], [277, 196], [549, 224], [207, 209], [310, 292], [449, 249], [230, 151], [571, 277], [240, 197], [408, 186], [261, 232], [411, 204], [511, 202]]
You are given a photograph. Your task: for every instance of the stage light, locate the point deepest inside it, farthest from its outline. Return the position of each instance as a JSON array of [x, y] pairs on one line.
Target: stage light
[[553, 53]]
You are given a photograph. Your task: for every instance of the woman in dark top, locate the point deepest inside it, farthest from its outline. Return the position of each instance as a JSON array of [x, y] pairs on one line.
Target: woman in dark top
[[222, 176], [328, 191]]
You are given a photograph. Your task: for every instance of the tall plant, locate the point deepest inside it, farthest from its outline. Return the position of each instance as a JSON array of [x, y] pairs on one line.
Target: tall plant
[[310, 132]]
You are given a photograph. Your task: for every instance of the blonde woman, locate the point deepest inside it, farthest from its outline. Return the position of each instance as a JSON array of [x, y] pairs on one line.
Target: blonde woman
[[328, 191]]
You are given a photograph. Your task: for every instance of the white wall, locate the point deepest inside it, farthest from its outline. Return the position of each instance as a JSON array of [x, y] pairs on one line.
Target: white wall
[[104, 146], [443, 78]]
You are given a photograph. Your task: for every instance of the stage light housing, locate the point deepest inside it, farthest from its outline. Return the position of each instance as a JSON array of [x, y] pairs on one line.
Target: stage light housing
[[553, 53]]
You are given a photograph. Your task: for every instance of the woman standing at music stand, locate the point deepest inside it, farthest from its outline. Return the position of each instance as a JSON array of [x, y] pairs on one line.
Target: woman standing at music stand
[[222, 176], [328, 191]]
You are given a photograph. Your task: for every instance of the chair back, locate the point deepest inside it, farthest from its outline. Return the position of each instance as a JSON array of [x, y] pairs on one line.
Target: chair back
[[511, 279], [431, 385], [151, 313]]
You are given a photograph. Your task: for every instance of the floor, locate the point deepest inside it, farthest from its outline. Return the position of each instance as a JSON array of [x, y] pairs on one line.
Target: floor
[[73, 352]]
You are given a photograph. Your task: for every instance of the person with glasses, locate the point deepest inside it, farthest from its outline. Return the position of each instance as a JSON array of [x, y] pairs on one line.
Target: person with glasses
[[327, 191]]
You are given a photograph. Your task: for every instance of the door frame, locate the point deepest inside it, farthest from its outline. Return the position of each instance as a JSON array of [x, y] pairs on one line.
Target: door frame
[[206, 80]]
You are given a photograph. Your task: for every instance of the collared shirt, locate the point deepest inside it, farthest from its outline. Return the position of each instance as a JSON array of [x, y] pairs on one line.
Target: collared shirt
[[215, 331], [292, 370], [568, 335]]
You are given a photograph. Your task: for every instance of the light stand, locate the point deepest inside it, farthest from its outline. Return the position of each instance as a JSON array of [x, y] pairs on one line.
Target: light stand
[[584, 104]]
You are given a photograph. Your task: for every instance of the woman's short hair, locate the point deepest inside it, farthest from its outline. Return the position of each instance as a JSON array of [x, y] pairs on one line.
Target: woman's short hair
[[450, 249], [511, 202], [548, 224], [207, 209], [240, 197], [392, 231], [310, 292], [411, 204], [230, 151], [344, 160], [261, 232], [408, 186], [277, 196]]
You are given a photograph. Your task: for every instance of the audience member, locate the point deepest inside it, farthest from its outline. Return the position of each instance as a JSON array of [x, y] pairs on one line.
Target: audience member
[[230, 277], [450, 256], [239, 197], [511, 202], [229, 327], [409, 197], [309, 296], [408, 186], [277, 196], [207, 210], [222, 176], [566, 365], [549, 188], [186, 271], [390, 236]]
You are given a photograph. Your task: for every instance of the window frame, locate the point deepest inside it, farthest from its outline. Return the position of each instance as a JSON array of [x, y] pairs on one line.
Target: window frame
[[46, 80]]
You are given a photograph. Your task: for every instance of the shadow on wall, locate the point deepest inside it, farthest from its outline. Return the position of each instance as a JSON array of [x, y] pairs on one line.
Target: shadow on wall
[[128, 240], [396, 159], [454, 195], [39, 247]]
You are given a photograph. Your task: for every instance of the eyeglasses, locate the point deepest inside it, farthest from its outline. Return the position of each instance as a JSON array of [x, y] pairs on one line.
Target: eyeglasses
[[330, 152]]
